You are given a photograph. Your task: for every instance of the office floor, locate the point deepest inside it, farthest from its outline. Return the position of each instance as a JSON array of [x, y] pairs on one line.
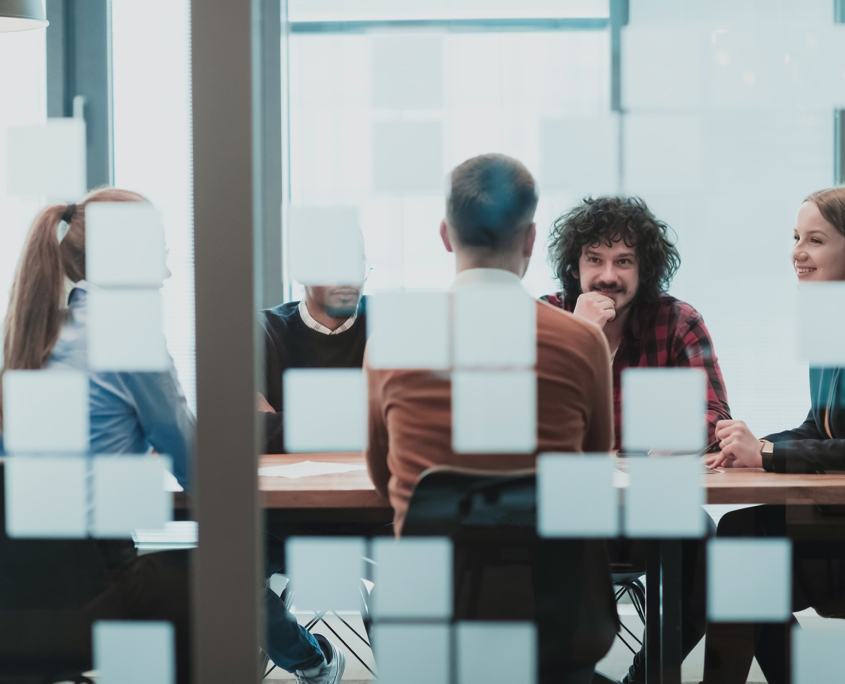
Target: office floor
[[614, 665], [355, 672]]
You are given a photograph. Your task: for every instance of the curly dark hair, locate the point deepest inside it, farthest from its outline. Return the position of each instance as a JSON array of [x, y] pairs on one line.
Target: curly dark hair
[[605, 220]]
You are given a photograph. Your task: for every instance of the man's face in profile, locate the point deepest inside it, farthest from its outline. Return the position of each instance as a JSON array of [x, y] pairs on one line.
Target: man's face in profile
[[336, 301]]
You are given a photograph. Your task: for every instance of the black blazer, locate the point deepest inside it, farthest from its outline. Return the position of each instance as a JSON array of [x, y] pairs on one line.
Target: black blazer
[[810, 448]]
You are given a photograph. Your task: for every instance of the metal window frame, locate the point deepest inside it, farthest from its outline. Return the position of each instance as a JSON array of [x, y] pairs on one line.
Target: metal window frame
[[612, 22], [455, 25], [79, 65]]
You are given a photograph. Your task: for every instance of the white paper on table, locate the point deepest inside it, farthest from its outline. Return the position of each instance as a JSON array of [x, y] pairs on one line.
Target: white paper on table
[[307, 469]]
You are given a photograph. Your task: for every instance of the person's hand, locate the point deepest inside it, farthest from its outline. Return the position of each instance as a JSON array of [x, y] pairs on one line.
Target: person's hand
[[716, 460], [595, 307], [263, 405], [740, 448]]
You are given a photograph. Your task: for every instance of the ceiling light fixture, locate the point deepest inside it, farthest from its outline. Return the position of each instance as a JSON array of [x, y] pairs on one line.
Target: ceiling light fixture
[[21, 15]]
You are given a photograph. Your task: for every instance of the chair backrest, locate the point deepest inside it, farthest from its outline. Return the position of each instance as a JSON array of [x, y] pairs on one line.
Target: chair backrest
[[447, 499], [577, 612]]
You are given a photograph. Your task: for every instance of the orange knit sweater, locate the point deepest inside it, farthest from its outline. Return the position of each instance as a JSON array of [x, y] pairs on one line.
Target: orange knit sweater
[[410, 420]]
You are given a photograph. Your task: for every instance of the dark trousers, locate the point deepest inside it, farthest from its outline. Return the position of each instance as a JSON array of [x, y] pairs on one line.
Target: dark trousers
[[818, 581], [48, 609], [562, 585], [631, 554], [156, 587], [289, 645]]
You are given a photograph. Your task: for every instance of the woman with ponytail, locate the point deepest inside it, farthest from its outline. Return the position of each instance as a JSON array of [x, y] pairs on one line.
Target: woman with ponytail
[[46, 327], [130, 413]]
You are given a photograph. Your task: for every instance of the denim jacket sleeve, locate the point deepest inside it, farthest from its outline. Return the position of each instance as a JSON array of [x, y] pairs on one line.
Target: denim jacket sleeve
[[164, 416]]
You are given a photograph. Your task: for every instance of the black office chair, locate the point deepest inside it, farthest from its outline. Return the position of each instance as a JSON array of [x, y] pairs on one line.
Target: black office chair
[[491, 518], [44, 587]]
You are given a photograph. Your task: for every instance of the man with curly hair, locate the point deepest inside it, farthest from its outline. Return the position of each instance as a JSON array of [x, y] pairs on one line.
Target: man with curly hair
[[615, 262]]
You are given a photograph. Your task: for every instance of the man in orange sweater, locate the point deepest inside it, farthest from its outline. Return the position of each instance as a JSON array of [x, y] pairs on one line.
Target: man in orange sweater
[[490, 227]]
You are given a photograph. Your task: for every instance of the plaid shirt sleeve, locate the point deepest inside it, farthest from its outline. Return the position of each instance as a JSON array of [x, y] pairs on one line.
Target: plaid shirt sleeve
[[692, 347]]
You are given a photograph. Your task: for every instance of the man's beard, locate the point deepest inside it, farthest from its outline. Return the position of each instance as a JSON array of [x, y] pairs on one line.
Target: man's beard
[[342, 311]]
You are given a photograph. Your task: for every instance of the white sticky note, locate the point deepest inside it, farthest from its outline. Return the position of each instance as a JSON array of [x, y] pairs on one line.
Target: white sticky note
[[124, 330], [817, 653], [580, 155], [412, 654], [480, 341], [134, 652], [664, 409], [124, 244], [325, 572], [820, 333], [128, 494], [576, 496], [496, 652], [749, 580], [325, 409], [326, 246], [494, 412], [424, 564], [662, 66], [664, 498], [408, 330], [662, 154], [29, 396], [47, 161], [46, 496], [407, 72], [408, 157]]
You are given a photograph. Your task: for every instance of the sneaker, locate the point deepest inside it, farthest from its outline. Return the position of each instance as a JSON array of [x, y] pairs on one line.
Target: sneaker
[[330, 672]]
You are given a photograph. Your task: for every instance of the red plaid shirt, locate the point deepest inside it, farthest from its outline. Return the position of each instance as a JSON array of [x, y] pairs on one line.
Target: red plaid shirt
[[668, 333]]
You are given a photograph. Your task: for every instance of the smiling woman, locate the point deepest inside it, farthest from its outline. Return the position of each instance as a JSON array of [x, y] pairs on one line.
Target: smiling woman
[[819, 444], [819, 251]]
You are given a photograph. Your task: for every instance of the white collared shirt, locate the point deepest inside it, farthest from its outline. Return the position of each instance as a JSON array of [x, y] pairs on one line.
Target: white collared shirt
[[319, 327], [485, 276]]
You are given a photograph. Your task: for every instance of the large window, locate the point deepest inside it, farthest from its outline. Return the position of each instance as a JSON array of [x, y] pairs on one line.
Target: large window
[[725, 124], [152, 147], [377, 119], [729, 124], [23, 103]]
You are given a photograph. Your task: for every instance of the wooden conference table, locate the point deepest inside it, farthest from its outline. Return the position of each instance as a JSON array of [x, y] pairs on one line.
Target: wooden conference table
[[353, 490], [350, 496]]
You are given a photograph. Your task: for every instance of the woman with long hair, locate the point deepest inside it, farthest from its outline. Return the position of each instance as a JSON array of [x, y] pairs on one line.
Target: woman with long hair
[[130, 413], [816, 446], [46, 327]]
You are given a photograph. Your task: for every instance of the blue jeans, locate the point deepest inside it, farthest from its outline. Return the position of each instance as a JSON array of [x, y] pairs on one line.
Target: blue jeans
[[289, 645]]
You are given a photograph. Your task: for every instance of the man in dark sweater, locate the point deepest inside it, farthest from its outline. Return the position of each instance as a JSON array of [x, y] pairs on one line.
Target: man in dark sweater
[[327, 329]]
